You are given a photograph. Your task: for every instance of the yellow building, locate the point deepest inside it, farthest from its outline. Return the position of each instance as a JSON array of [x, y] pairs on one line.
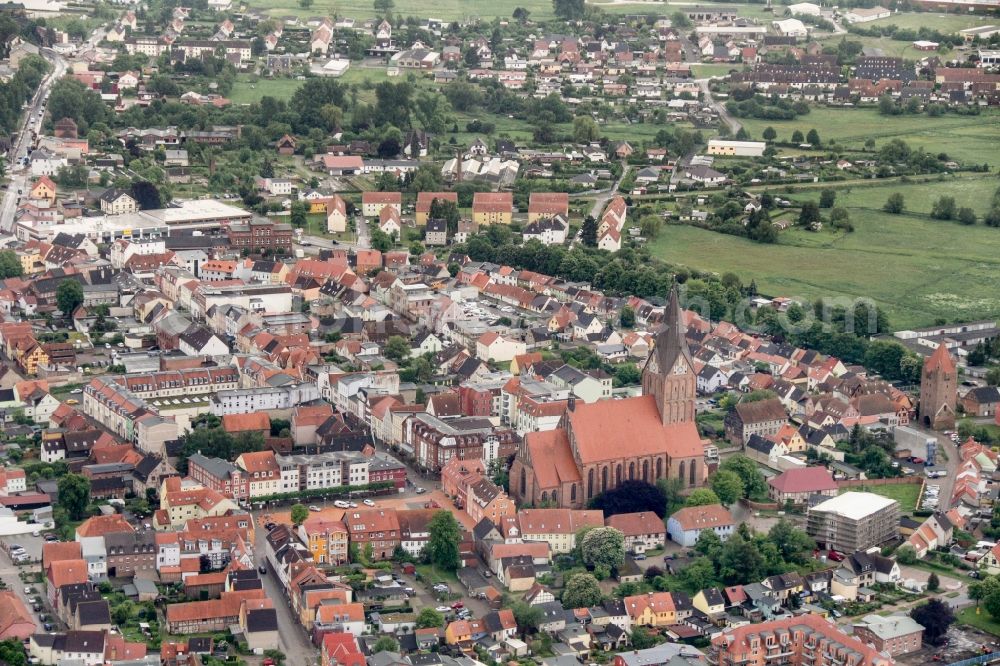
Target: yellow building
[[44, 189], [31, 260], [31, 355], [656, 609], [710, 602], [326, 539], [493, 208]]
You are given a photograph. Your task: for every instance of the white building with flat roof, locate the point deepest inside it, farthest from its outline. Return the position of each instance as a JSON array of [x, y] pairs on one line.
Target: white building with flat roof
[[205, 214], [736, 148], [853, 521]]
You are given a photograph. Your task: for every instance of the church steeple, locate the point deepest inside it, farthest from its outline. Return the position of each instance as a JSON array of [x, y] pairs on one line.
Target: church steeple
[[669, 372]]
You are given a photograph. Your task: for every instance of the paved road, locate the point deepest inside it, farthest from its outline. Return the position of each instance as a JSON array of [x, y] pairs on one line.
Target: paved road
[[605, 195], [734, 125], [32, 120], [292, 638], [10, 574]]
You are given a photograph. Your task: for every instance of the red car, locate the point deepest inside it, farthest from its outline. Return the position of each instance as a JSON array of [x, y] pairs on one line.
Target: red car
[[457, 605], [835, 556], [916, 461]]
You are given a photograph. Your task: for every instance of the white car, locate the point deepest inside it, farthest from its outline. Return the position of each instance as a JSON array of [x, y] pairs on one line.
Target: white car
[[315, 508], [443, 609], [368, 502], [341, 504]]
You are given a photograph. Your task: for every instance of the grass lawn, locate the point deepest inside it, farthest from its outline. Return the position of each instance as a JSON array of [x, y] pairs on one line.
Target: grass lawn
[[991, 428], [714, 69], [430, 573], [982, 620], [962, 137], [904, 493], [915, 267], [247, 89]]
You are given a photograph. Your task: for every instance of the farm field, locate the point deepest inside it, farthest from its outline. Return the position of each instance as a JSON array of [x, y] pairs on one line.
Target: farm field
[[455, 10], [961, 137], [917, 268], [446, 10]]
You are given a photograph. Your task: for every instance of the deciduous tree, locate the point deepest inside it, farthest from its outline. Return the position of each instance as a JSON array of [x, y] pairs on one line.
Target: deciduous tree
[[74, 495], [603, 546], [728, 486], [702, 497], [445, 535], [936, 616], [299, 514], [582, 591], [69, 295]]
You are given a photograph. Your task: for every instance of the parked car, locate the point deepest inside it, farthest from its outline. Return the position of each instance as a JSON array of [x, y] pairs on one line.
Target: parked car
[[315, 508], [835, 556], [368, 502]]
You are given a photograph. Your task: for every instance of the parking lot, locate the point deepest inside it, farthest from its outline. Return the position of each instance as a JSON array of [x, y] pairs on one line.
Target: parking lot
[[31, 594], [30, 545], [931, 497]]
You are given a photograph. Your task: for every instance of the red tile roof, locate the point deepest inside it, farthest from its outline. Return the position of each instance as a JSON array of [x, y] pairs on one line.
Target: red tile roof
[[703, 517], [246, 422], [634, 427], [804, 479], [637, 524]]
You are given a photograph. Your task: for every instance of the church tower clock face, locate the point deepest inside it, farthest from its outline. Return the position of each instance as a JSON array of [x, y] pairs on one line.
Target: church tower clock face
[[680, 368], [653, 365]]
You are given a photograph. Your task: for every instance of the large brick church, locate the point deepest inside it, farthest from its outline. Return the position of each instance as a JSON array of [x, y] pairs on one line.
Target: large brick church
[[597, 446]]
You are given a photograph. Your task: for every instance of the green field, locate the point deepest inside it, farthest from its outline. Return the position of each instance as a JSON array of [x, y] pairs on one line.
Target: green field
[[247, 89], [982, 620], [455, 10], [961, 137], [905, 493], [714, 69], [944, 23], [446, 10], [917, 268]]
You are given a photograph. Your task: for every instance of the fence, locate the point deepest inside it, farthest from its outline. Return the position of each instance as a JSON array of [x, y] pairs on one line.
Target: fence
[[854, 483], [981, 659]]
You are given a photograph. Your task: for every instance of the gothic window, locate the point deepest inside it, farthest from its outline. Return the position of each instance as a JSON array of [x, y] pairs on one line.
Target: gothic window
[[524, 483], [590, 483], [631, 471], [694, 469], [659, 468], [681, 474], [604, 478], [618, 475], [645, 471], [572, 493]]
